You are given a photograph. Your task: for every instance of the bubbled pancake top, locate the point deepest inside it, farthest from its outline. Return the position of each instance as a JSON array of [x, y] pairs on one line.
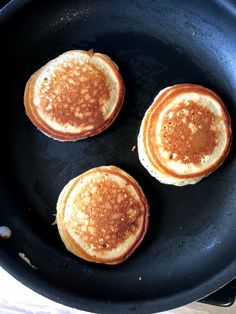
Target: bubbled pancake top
[[189, 132], [108, 213], [75, 94]]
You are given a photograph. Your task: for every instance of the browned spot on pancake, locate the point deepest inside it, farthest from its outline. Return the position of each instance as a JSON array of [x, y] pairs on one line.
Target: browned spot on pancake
[[189, 132], [75, 94], [113, 214]]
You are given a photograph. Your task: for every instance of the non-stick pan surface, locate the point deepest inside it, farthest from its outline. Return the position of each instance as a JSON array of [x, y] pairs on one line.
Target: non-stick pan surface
[[189, 250]]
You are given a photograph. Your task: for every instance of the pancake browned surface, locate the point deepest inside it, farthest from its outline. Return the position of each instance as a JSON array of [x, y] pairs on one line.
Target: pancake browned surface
[[102, 215], [75, 96], [185, 134]]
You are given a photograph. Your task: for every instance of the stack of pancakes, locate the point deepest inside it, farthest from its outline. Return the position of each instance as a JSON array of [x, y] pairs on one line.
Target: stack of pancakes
[[185, 134], [75, 96], [102, 215]]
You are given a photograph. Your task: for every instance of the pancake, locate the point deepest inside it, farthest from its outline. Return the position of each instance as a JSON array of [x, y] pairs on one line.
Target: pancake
[[74, 96], [185, 134], [102, 215]]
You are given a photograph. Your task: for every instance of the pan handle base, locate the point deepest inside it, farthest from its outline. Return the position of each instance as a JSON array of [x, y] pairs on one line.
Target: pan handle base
[[224, 297]]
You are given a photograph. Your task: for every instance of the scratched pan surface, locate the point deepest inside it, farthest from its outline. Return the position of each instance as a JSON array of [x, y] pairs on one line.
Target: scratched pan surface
[[189, 250]]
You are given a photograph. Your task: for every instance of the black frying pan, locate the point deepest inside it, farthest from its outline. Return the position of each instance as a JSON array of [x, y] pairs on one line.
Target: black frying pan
[[189, 250]]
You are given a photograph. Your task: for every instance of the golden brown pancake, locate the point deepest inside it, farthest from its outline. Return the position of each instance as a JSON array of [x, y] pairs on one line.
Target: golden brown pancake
[[185, 134], [102, 215], [74, 96]]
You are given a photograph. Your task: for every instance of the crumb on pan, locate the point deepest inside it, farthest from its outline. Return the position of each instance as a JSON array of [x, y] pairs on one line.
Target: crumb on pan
[[55, 221], [90, 52], [139, 278], [26, 259], [5, 232], [133, 148]]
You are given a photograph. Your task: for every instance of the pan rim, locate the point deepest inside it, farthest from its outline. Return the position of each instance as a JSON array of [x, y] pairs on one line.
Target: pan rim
[[56, 294]]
